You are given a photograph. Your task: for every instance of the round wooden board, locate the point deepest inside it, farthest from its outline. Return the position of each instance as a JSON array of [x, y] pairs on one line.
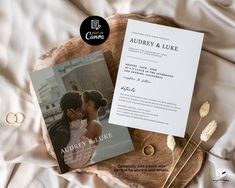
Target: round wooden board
[[134, 169]]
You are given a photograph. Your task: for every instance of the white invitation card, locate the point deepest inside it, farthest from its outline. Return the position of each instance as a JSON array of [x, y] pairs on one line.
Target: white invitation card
[[156, 78]]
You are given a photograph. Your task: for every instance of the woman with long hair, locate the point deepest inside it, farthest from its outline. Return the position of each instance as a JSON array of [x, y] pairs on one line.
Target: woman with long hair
[[93, 101]]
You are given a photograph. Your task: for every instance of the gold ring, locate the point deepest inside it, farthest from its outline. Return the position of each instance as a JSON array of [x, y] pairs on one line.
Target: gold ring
[[19, 117], [148, 150], [11, 118]]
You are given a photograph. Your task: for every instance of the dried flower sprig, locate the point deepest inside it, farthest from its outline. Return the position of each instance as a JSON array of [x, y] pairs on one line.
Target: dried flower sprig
[[171, 142], [204, 137], [171, 145], [208, 131], [203, 112]]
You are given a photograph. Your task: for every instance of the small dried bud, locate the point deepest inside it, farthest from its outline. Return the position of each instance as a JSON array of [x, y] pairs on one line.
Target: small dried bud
[[171, 142], [204, 110], [208, 131]]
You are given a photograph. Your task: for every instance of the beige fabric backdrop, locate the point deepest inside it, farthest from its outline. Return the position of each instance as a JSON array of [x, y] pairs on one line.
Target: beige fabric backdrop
[[29, 28]]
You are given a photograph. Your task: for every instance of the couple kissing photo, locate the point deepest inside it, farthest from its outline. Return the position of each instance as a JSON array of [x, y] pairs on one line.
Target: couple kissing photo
[[75, 99], [72, 136]]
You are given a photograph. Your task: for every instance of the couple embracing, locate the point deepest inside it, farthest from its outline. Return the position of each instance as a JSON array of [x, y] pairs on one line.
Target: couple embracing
[[72, 134]]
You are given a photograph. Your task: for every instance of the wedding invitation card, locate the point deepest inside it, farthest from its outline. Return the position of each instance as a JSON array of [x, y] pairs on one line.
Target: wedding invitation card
[[75, 99], [156, 78]]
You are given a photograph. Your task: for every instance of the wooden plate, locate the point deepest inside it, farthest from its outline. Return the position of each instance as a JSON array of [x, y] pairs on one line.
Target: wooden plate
[[133, 169]]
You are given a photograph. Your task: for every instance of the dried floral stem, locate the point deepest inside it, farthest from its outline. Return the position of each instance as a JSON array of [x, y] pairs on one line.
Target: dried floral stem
[[171, 145], [173, 160], [172, 168], [206, 134], [184, 164], [198, 123]]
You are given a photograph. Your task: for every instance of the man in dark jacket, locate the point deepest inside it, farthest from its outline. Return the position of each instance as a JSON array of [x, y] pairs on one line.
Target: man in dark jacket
[[59, 131]]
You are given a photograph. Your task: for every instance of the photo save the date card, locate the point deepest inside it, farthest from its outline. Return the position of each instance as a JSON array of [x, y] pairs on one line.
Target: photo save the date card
[[156, 78], [75, 98]]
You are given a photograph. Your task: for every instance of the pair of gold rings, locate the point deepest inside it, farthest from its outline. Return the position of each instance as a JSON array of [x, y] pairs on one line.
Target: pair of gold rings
[[148, 150], [15, 118]]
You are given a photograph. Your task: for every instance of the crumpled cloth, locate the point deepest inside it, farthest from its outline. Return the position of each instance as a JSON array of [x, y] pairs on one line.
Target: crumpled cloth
[[30, 28]]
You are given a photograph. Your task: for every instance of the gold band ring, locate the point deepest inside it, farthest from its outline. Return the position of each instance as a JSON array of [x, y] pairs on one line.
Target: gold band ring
[[148, 150], [14, 118], [11, 118]]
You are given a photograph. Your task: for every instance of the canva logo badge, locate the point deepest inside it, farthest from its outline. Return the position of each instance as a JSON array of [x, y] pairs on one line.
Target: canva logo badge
[[94, 30]]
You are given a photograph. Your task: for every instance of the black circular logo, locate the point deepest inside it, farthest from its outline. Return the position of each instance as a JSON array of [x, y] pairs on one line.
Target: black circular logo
[[94, 30]]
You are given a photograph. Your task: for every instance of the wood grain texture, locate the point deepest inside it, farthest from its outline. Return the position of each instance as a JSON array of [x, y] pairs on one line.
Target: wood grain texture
[[144, 171]]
